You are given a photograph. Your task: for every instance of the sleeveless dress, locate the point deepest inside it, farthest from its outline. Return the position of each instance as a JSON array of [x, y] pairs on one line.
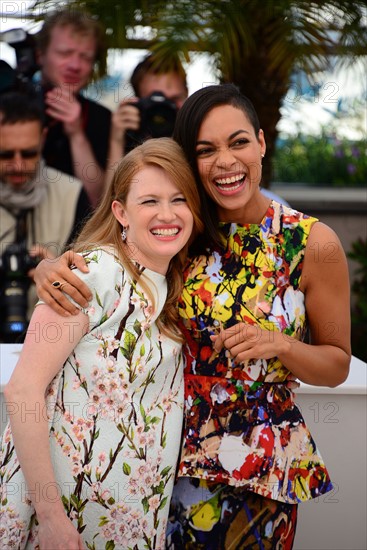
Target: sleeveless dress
[[115, 416], [242, 426]]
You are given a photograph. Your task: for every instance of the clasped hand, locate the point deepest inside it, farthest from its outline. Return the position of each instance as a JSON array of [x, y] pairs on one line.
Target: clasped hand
[[62, 105], [245, 341]]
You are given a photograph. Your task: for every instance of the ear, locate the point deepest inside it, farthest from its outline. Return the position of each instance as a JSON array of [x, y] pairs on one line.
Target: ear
[[43, 136], [262, 142], [119, 212]]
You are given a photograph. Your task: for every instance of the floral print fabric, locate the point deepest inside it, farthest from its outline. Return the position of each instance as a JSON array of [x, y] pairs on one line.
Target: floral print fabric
[[242, 426], [115, 415]]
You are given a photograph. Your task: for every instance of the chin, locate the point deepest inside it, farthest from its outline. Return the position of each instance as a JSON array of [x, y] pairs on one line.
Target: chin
[[18, 186]]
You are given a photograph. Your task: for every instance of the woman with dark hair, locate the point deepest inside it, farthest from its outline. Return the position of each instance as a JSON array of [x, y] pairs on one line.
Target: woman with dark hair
[[261, 277], [186, 134]]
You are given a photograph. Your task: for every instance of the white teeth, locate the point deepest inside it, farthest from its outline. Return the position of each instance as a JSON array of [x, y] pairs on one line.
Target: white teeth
[[227, 181], [233, 188], [165, 232]]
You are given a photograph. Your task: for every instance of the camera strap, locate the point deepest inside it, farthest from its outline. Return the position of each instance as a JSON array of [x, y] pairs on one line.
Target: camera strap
[[21, 225]]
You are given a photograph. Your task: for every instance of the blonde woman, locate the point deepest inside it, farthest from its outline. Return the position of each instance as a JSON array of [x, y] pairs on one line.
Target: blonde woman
[[92, 466]]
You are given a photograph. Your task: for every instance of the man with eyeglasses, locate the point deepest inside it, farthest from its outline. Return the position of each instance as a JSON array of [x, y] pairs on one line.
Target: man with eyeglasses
[[40, 207]]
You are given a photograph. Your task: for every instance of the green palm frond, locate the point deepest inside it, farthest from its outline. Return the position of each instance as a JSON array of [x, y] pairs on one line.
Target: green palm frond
[[256, 44]]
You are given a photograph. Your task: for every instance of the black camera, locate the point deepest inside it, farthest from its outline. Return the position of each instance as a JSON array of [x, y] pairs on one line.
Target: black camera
[[24, 45], [158, 116], [15, 264]]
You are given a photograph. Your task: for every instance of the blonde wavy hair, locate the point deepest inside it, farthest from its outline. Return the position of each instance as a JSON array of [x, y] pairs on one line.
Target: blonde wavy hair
[[102, 229]]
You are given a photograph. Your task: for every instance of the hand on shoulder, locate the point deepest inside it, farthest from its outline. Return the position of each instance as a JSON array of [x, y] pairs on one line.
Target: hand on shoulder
[[51, 271]]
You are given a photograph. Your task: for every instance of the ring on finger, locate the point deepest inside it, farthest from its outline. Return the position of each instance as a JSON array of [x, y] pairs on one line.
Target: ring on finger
[[58, 285]]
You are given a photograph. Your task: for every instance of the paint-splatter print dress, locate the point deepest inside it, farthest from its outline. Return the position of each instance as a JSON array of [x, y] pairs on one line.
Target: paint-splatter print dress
[[242, 426], [115, 416]]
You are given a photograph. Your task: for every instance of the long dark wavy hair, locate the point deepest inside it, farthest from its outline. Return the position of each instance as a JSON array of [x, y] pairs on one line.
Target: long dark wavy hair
[[188, 123]]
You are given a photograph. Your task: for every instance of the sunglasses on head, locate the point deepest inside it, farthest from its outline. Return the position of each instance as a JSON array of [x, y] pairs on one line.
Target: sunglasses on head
[[9, 154]]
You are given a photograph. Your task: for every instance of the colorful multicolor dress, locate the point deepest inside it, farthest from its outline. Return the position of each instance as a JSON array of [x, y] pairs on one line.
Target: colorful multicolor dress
[[242, 426], [115, 416]]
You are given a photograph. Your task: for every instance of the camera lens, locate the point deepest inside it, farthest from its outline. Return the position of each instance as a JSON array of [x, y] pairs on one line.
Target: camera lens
[[159, 120], [13, 302], [158, 116], [15, 264]]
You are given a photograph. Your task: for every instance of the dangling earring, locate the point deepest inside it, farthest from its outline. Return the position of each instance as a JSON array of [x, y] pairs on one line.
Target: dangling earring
[[124, 233]]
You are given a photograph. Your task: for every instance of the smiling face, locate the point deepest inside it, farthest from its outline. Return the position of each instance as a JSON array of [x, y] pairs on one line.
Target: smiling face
[[157, 217], [228, 156], [69, 58]]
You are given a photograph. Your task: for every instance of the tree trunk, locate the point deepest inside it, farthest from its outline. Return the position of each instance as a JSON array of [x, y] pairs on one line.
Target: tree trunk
[[266, 89]]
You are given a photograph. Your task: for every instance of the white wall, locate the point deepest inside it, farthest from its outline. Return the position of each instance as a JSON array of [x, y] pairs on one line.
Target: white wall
[[337, 419]]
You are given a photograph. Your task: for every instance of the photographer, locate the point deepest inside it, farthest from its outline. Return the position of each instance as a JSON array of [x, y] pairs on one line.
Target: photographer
[[70, 43], [160, 89], [40, 209]]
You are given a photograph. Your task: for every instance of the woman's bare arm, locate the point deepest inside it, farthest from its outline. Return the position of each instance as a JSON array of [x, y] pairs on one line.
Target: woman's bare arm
[[325, 283], [40, 360]]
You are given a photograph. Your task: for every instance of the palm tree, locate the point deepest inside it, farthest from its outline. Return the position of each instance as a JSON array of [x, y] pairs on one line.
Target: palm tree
[[257, 44]]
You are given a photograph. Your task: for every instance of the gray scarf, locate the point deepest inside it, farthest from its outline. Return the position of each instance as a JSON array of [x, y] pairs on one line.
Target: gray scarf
[[29, 196]]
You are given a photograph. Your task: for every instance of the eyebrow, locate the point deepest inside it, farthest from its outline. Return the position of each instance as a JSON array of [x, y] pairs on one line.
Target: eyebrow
[[230, 137]]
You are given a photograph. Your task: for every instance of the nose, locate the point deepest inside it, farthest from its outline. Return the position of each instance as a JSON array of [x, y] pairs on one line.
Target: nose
[[225, 158], [166, 212], [74, 62], [17, 161]]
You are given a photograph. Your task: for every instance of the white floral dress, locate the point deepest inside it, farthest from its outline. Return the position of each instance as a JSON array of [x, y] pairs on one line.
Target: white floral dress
[[115, 415]]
